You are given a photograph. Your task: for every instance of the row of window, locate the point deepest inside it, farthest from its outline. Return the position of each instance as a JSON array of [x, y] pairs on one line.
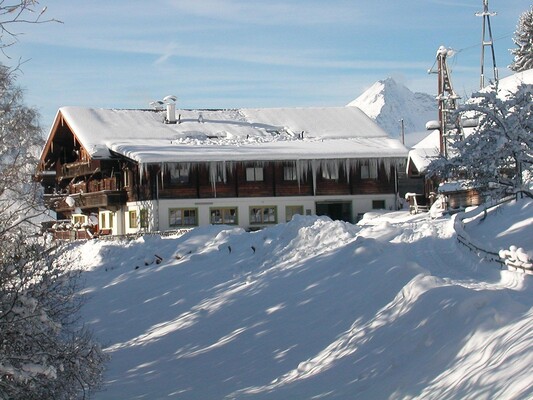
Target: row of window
[[184, 217], [181, 174], [181, 217]]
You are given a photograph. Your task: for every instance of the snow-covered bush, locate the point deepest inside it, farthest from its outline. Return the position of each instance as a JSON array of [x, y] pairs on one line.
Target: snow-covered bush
[[44, 352]]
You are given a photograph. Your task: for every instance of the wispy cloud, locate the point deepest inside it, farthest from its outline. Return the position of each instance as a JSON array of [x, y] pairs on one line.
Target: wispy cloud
[[452, 3], [273, 12]]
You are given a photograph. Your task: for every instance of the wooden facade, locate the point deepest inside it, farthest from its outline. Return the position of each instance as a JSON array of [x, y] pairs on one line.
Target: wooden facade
[[112, 183]]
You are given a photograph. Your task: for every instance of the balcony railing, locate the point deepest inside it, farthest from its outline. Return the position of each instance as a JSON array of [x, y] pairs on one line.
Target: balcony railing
[[72, 170], [83, 201]]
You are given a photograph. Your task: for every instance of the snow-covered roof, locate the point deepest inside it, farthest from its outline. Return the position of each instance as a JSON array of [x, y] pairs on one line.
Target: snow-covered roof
[[510, 84], [425, 151], [456, 186], [238, 134]]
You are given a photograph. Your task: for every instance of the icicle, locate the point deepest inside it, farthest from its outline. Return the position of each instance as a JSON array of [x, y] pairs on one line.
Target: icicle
[[217, 169], [142, 170], [313, 170], [347, 169], [298, 172]]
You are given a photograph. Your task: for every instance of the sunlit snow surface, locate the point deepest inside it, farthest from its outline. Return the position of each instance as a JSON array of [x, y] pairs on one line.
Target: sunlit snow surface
[[391, 308]]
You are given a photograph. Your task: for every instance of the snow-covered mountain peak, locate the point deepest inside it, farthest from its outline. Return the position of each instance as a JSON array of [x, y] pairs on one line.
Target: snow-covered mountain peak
[[388, 102]]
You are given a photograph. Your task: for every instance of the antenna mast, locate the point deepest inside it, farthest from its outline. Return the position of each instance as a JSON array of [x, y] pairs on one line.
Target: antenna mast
[[487, 41]]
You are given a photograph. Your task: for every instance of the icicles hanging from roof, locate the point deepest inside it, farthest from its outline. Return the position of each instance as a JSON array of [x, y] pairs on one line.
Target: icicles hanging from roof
[[217, 173], [331, 168]]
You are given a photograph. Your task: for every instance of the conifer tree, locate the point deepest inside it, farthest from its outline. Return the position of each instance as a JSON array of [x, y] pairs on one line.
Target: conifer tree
[[523, 38]]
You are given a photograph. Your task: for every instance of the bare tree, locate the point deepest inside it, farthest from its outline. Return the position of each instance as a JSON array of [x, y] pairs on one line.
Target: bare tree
[[45, 351], [13, 13]]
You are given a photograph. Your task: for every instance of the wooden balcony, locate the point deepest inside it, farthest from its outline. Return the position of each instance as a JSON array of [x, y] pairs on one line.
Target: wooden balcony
[[104, 199], [72, 170]]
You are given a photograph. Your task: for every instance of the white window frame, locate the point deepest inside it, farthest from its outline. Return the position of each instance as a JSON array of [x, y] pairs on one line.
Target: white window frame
[[254, 174], [263, 215], [224, 215], [180, 215], [106, 220]]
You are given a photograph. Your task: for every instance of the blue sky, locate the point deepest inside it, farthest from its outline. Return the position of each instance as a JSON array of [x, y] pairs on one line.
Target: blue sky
[[249, 53]]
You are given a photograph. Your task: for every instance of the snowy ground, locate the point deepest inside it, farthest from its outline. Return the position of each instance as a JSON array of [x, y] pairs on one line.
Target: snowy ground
[[314, 309]]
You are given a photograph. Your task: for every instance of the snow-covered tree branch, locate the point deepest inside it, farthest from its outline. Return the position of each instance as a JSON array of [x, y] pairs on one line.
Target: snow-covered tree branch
[[44, 353], [44, 350], [497, 157]]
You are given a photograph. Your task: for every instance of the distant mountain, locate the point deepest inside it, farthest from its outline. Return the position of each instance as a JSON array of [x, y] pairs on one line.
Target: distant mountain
[[387, 102]]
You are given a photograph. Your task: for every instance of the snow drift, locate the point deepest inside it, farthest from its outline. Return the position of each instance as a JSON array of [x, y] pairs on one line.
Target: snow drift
[[391, 308]]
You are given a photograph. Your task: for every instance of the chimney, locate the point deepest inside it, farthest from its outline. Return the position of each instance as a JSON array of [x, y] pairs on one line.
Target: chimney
[[171, 113], [170, 101]]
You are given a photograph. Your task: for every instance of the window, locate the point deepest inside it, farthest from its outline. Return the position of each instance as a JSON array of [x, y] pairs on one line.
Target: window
[[79, 220], [144, 218], [254, 174], [369, 170], [133, 218], [226, 216], [182, 217], [179, 174], [332, 174], [106, 220], [289, 173], [378, 204], [291, 211], [263, 215]]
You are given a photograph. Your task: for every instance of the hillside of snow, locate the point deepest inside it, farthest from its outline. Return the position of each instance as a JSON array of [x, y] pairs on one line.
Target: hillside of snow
[[387, 102], [391, 308]]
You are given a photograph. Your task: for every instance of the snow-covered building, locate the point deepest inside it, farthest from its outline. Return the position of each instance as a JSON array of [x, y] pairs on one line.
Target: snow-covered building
[[422, 153], [158, 170]]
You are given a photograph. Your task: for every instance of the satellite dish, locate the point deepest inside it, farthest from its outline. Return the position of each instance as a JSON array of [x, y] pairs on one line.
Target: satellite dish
[[170, 98]]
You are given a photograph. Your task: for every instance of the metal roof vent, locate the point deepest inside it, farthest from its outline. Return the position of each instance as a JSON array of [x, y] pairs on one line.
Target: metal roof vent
[[170, 102]]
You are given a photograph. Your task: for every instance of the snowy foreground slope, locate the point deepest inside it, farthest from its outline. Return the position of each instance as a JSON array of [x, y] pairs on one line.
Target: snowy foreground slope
[[315, 309]]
